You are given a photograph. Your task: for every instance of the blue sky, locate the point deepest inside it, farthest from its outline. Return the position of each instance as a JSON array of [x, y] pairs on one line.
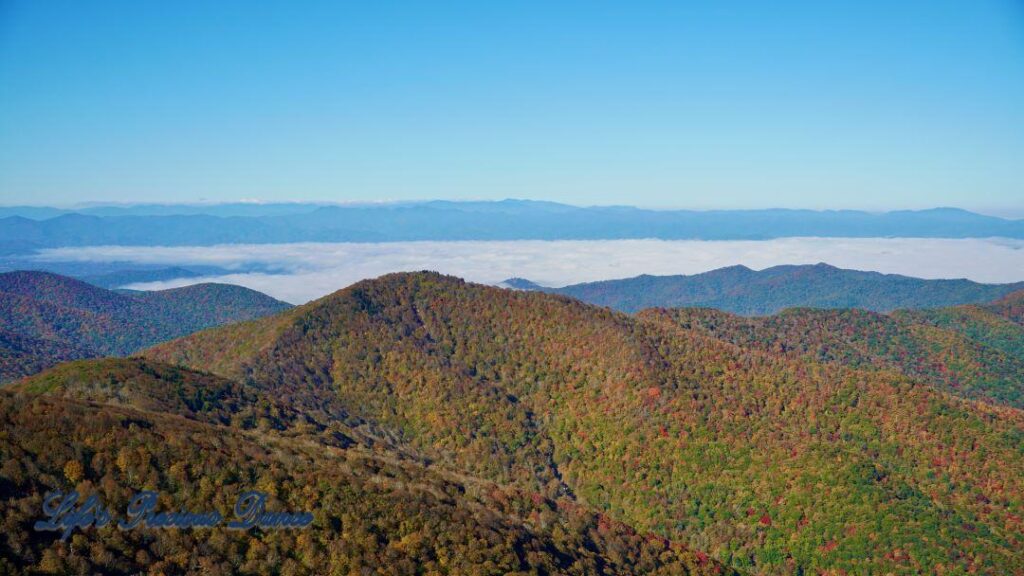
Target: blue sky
[[679, 104]]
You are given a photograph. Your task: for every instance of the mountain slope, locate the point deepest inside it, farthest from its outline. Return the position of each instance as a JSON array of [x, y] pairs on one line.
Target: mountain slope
[[999, 325], [1010, 307], [189, 436], [67, 318], [740, 290], [23, 355], [770, 463], [966, 362]]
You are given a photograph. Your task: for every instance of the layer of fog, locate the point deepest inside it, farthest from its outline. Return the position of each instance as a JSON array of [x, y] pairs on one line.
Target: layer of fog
[[306, 271]]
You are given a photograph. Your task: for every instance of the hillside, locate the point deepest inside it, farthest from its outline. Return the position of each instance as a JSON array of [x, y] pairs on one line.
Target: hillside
[[740, 290], [771, 463], [23, 355], [47, 318], [999, 325], [1010, 307], [114, 427], [981, 358]]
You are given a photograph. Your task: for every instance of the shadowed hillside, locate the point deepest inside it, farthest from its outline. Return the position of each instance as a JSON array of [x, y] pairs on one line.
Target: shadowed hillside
[[64, 318]]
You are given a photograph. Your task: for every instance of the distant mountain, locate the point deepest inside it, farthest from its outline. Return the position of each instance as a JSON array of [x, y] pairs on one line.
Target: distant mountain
[[114, 274], [823, 451], [228, 209], [132, 276], [46, 318], [520, 284], [168, 225], [740, 290]]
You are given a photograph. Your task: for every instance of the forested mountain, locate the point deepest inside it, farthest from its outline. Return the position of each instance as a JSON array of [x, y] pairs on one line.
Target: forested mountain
[[970, 351], [27, 228], [115, 427], [1010, 307], [997, 324], [771, 462], [741, 290], [46, 318]]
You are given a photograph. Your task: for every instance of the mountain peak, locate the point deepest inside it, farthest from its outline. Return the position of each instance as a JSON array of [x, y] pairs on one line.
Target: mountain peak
[[735, 268], [531, 390], [520, 284]]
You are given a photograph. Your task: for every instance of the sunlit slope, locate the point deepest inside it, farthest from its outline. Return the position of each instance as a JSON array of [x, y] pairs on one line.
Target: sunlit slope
[[114, 427], [975, 357], [768, 462]]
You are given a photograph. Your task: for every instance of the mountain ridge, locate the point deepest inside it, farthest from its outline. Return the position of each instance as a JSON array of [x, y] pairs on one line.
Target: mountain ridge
[[662, 427], [50, 318], [741, 290], [469, 220]]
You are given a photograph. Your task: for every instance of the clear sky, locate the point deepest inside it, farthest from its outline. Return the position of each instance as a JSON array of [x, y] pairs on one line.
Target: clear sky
[[867, 104]]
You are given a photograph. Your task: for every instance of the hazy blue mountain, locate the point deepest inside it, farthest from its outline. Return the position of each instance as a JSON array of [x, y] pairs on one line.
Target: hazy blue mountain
[[113, 274], [740, 290], [32, 212], [521, 284], [227, 209], [223, 210], [122, 277], [442, 220]]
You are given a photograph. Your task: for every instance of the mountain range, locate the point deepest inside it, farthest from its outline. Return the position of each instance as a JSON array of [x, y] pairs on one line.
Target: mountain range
[[438, 425], [740, 290], [47, 318], [25, 229]]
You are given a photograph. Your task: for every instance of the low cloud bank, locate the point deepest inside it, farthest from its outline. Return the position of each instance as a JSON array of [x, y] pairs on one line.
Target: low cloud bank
[[305, 271]]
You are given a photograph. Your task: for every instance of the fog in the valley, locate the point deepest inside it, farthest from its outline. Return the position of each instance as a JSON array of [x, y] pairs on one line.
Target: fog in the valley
[[301, 272]]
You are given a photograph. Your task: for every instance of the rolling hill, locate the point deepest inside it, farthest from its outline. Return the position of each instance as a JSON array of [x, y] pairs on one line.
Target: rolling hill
[[770, 462], [113, 427], [46, 318], [967, 351], [740, 290]]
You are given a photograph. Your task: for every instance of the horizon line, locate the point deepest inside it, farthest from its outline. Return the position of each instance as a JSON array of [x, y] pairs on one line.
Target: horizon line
[[1006, 212]]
